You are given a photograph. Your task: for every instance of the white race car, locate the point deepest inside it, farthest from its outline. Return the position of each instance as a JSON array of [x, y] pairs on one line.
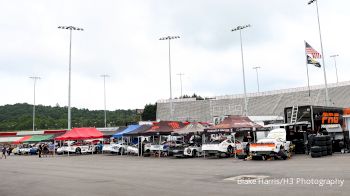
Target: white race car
[[75, 147], [219, 147]]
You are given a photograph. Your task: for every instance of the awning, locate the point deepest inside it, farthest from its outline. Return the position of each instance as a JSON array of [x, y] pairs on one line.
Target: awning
[[127, 130], [21, 140], [30, 133], [9, 139], [139, 131], [39, 138], [164, 128], [81, 134], [235, 122], [192, 128]]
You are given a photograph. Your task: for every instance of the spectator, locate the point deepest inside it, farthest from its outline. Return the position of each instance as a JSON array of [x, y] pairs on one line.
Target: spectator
[[3, 152]]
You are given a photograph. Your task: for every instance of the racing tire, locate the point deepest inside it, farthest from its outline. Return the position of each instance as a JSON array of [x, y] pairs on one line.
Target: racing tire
[[324, 148], [320, 143], [320, 138], [329, 147], [315, 149], [316, 154], [78, 151], [324, 153], [311, 139], [329, 152], [329, 142]]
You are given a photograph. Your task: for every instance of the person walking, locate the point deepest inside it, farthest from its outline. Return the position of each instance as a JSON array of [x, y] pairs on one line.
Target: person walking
[[40, 150], [3, 152]]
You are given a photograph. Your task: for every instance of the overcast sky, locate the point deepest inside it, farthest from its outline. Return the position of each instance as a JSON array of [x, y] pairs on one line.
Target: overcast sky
[[121, 39]]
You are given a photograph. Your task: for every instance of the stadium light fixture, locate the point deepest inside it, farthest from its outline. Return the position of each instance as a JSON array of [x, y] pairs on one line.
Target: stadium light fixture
[[335, 64], [34, 78], [171, 94], [327, 100], [104, 92], [240, 28], [70, 28]]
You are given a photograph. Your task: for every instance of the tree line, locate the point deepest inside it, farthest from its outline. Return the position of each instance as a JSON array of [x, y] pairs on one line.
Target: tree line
[[20, 117]]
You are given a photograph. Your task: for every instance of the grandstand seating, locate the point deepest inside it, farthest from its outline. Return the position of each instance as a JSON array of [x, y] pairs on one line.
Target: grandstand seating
[[270, 103]]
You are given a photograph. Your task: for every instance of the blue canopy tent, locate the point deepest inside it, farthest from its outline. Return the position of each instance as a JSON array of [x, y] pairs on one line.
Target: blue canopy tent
[[127, 130]]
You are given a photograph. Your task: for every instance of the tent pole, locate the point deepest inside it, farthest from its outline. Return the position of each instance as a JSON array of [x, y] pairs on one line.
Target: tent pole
[[54, 148], [68, 147], [121, 153], [139, 145], [159, 146]]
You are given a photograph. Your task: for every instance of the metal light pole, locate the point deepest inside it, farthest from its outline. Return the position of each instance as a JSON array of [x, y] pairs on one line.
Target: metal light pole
[[335, 64], [324, 65], [171, 94], [257, 77], [240, 28], [180, 74], [70, 28], [104, 92], [34, 78]]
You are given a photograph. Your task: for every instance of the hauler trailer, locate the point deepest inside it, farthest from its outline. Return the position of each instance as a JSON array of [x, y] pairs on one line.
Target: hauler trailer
[[318, 119]]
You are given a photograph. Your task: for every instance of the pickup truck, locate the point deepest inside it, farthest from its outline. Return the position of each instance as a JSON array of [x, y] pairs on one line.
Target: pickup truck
[[219, 147], [274, 145]]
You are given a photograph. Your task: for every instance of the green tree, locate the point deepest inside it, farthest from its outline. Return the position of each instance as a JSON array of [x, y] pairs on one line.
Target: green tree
[[149, 112]]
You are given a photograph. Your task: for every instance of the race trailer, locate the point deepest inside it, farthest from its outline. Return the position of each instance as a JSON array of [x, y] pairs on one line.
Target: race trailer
[[309, 119]]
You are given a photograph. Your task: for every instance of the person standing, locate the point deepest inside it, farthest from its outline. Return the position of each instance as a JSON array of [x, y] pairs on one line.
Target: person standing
[[3, 152], [40, 150]]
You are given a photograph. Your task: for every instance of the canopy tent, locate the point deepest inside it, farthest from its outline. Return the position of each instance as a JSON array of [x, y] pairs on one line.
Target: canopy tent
[[81, 134], [127, 130], [21, 140], [235, 123], [9, 139], [194, 127], [108, 132], [139, 131], [40, 138], [164, 127]]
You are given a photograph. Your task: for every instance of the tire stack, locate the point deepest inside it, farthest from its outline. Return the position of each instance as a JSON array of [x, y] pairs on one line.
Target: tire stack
[[322, 146]]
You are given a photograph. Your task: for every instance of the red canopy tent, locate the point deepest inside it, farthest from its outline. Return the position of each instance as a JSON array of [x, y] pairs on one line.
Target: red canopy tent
[[81, 134]]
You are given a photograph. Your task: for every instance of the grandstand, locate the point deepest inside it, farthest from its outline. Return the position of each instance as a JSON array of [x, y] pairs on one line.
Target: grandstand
[[269, 103]]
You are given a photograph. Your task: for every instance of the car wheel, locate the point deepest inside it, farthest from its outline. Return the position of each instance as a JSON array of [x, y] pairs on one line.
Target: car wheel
[[78, 151]]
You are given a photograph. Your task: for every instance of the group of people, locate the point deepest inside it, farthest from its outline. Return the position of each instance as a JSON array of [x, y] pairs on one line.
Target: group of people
[[5, 150], [44, 149]]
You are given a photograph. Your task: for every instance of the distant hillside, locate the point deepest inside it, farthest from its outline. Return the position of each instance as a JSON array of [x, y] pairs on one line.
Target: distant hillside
[[19, 117]]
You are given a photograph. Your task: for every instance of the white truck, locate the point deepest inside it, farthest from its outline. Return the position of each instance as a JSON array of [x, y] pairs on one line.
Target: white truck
[[274, 145], [219, 147]]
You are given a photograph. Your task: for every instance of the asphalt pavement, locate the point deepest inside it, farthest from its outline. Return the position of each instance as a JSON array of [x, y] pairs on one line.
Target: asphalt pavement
[[108, 175]]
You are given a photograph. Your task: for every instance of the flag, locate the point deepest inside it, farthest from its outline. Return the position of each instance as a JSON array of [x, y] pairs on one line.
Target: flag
[[312, 61], [310, 51]]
